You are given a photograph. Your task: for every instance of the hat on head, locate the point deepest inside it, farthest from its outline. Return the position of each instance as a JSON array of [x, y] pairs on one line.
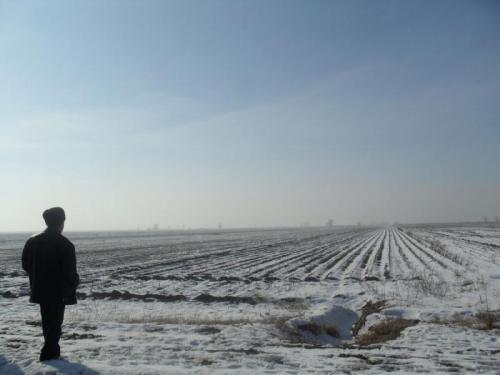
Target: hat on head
[[54, 216]]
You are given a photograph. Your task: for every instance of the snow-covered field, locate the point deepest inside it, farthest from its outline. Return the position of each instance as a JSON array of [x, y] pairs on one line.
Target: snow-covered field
[[265, 301]]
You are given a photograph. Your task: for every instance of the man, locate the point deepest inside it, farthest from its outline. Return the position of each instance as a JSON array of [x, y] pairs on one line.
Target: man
[[50, 261]]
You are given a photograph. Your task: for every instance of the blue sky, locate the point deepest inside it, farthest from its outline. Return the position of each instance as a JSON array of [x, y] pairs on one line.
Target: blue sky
[[194, 113]]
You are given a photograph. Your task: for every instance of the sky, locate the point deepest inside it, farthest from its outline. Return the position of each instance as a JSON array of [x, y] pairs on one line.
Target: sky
[[191, 114]]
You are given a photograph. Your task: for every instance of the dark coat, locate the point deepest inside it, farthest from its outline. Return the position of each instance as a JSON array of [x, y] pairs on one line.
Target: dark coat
[[50, 261]]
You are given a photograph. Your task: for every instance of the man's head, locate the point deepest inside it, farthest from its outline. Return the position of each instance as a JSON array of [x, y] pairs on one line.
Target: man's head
[[54, 218]]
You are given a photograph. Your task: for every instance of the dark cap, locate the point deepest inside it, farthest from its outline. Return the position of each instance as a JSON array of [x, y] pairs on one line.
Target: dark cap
[[54, 216]]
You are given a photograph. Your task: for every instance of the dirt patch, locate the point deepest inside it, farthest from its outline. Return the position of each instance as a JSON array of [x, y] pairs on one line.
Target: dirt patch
[[271, 279], [386, 330], [88, 327], [332, 330], [34, 323], [312, 327], [371, 278], [317, 329], [250, 351], [126, 296], [224, 279], [311, 279], [208, 321], [8, 294], [353, 278], [200, 277], [12, 274], [229, 279], [207, 362], [289, 303], [207, 330], [360, 356], [155, 277], [208, 298], [80, 336], [333, 278]]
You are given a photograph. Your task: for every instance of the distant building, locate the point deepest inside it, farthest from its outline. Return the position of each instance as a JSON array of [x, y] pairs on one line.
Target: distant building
[[329, 223]]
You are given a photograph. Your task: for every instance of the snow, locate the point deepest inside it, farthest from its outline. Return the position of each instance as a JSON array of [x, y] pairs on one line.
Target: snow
[[337, 317], [262, 287]]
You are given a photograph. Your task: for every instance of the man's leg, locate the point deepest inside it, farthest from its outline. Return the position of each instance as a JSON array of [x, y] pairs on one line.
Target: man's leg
[[52, 318], [43, 313]]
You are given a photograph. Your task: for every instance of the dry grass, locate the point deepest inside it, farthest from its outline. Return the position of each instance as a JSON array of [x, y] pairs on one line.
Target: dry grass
[[427, 283], [484, 320], [369, 308], [386, 330], [110, 313], [292, 304], [178, 320], [488, 319]]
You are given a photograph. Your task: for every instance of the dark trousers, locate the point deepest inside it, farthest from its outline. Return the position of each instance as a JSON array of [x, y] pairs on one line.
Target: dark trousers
[[52, 318]]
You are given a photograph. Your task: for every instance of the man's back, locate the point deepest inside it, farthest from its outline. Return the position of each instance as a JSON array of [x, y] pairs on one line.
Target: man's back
[[49, 259]]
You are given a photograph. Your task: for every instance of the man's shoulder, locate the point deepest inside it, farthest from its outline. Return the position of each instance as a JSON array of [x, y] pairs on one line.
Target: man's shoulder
[[34, 237], [65, 241], [52, 237]]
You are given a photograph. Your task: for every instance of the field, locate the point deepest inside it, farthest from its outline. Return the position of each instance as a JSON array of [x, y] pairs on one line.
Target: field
[[268, 301]]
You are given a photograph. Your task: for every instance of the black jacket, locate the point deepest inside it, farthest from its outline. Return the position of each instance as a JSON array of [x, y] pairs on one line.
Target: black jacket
[[50, 261]]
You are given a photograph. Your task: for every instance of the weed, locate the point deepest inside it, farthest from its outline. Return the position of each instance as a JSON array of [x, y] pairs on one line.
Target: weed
[[488, 319], [369, 308], [427, 283], [483, 320], [272, 320], [389, 329]]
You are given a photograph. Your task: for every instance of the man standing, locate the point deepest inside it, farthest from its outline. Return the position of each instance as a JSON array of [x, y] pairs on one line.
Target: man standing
[[50, 261]]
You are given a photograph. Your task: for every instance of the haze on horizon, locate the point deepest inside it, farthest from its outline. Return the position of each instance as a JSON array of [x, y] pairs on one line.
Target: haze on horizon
[[266, 113]]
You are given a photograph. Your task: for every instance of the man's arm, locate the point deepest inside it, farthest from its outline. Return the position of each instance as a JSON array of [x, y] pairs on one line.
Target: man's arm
[[69, 266], [26, 258]]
